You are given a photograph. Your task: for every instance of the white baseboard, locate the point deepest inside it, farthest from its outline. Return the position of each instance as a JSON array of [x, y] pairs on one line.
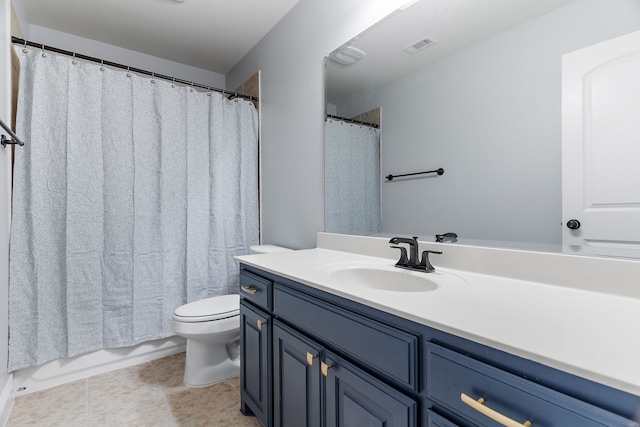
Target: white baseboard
[[6, 401], [64, 371]]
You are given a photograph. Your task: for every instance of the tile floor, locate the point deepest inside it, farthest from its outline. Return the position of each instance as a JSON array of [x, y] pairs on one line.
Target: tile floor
[[150, 394]]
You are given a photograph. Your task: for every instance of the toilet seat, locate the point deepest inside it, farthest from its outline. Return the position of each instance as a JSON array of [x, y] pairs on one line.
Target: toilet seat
[[208, 309]]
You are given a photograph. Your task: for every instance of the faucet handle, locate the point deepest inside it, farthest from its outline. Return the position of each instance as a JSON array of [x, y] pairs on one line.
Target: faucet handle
[[452, 237], [403, 261], [425, 263]]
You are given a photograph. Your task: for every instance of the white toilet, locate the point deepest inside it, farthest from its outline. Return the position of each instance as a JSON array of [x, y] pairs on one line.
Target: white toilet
[[212, 329]]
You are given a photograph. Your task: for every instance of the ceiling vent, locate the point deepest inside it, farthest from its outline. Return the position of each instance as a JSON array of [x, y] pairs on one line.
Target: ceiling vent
[[419, 45]]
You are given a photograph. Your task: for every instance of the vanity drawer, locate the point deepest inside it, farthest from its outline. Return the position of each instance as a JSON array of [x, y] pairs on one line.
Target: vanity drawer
[[256, 289], [452, 376], [389, 351]]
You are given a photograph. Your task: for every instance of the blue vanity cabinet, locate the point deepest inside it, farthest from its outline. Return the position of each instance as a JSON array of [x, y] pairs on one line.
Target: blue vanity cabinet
[[296, 380], [355, 398], [333, 362], [255, 362], [393, 353], [316, 386], [255, 346], [479, 394]]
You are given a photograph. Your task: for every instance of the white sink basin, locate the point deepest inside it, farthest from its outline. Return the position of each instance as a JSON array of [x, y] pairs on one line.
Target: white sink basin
[[391, 279]]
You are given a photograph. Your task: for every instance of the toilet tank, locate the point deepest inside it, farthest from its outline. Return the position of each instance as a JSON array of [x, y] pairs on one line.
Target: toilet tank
[[267, 249]]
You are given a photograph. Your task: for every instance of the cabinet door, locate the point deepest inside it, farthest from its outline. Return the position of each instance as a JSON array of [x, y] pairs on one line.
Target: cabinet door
[[296, 379], [255, 338], [354, 398]]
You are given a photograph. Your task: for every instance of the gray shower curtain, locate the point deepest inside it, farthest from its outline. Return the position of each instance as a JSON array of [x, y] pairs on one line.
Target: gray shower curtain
[[131, 197], [351, 178]]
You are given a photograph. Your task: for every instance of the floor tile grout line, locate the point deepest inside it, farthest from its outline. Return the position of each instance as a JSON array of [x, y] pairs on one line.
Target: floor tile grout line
[[164, 393], [156, 375], [233, 387]]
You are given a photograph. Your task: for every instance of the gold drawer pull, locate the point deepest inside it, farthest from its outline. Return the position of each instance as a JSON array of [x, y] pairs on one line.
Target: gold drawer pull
[[261, 323], [496, 416], [310, 358], [325, 369], [249, 290]]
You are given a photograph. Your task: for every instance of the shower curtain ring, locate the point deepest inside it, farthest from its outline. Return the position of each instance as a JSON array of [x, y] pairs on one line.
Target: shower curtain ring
[[191, 86], [102, 65], [44, 55], [24, 48], [128, 73], [152, 77], [174, 82], [74, 62]]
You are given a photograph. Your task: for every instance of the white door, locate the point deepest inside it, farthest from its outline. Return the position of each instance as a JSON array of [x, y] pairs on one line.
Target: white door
[[601, 147]]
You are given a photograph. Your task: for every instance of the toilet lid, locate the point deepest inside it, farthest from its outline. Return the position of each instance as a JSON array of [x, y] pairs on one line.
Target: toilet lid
[[212, 308]]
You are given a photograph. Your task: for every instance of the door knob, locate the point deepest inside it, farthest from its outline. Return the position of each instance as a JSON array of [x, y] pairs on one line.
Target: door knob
[[573, 224]]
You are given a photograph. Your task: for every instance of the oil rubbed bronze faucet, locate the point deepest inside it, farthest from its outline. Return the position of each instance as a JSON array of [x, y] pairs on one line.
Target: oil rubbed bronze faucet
[[411, 263], [413, 251]]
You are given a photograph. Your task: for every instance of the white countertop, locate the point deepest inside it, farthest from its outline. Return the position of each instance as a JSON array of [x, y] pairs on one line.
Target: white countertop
[[589, 334]]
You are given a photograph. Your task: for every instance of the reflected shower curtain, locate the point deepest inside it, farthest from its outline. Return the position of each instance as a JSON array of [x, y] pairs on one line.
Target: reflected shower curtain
[[352, 178], [131, 197]]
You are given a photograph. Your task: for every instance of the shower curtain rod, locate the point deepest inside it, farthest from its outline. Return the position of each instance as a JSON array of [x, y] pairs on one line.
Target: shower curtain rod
[[344, 119], [25, 43], [4, 141]]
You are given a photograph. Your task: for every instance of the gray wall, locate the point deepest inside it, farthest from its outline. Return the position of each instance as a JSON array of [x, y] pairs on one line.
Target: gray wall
[[491, 117], [291, 60], [128, 57]]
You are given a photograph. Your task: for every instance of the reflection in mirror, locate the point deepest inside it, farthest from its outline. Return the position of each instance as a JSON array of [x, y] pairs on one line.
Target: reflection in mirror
[[352, 176], [483, 100]]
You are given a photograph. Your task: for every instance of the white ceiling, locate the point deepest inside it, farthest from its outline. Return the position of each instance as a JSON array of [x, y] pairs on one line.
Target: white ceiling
[[454, 24], [210, 34]]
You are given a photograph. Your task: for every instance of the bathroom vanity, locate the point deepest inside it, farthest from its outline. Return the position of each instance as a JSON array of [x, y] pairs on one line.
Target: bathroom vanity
[[326, 340]]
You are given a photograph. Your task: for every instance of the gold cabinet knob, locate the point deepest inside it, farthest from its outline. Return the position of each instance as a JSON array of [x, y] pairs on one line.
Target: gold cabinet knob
[[261, 323], [310, 358], [324, 368]]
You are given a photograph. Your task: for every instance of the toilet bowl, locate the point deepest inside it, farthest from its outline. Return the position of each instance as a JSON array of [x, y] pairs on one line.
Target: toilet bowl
[[212, 329]]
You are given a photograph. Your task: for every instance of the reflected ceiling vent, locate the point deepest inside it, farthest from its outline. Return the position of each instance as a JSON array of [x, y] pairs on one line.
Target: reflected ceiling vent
[[347, 55], [419, 45]]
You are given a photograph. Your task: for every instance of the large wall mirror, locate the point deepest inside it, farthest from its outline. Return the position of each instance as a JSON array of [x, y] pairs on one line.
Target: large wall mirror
[[475, 88]]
